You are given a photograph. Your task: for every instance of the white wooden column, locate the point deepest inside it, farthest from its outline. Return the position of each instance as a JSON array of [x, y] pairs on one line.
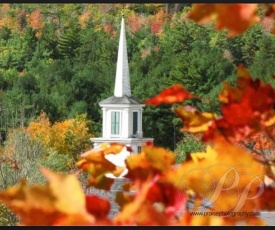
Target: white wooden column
[[140, 121], [104, 122], [125, 124]]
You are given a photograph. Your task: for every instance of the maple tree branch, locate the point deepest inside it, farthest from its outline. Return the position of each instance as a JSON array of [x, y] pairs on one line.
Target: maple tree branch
[[251, 149], [269, 136]]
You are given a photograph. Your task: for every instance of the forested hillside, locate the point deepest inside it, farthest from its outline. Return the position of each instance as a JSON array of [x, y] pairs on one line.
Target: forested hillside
[[61, 59], [206, 75]]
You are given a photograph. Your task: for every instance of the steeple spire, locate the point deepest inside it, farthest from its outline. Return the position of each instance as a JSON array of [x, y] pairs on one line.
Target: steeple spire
[[122, 83]]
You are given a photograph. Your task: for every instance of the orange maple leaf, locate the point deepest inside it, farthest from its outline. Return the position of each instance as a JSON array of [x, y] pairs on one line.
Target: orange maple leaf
[[151, 161], [266, 200], [237, 18], [193, 120], [226, 175], [173, 94], [166, 194], [94, 162], [61, 199], [246, 108], [98, 207], [140, 211]]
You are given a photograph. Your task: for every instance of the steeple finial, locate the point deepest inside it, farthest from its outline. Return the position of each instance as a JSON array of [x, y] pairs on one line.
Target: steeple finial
[[122, 11], [122, 84]]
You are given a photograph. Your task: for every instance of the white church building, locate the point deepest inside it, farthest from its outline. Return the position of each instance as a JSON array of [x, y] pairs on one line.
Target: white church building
[[122, 113]]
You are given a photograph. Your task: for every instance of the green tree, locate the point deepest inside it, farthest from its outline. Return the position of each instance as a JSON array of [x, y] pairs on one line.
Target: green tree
[[189, 144], [264, 56]]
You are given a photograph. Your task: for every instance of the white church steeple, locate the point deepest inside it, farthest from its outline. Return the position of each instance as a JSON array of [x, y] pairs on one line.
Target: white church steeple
[[122, 113], [122, 83]]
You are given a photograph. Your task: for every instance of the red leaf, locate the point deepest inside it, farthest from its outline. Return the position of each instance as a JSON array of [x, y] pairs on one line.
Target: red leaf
[[129, 149], [245, 108], [173, 94], [149, 143], [172, 198], [97, 206], [267, 199]]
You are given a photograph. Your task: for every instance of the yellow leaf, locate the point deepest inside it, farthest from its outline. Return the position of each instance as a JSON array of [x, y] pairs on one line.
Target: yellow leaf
[[158, 157], [229, 93], [105, 148], [100, 182], [193, 120], [60, 198], [140, 211], [118, 171], [60, 185], [150, 160], [210, 154], [226, 175], [95, 162], [270, 121]]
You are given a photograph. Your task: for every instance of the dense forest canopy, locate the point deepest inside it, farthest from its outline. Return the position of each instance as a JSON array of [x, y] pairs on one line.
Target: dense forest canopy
[[208, 86], [61, 59]]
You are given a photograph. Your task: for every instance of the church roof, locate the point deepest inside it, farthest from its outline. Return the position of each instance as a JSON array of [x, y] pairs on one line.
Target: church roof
[[129, 100]]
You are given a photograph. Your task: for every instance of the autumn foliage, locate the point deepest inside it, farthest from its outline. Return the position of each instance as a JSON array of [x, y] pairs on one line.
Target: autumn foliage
[[66, 137], [173, 94], [226, 179], [245, 15]]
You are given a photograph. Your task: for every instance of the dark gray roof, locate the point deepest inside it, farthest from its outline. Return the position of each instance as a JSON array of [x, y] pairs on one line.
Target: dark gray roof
[[121, 100]]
